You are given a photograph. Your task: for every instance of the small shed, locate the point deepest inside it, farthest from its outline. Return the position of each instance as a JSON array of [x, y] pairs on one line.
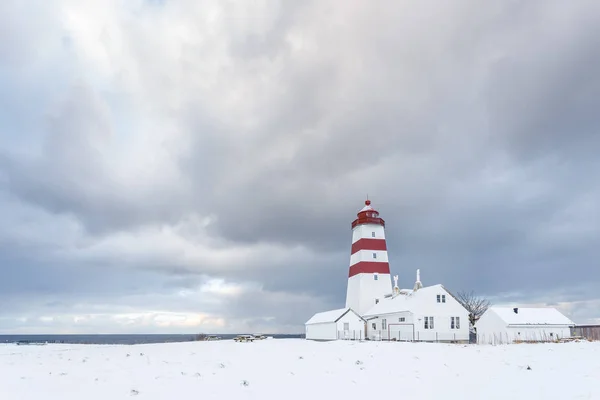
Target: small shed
[[589, 332], [342, 323], [501, 325]]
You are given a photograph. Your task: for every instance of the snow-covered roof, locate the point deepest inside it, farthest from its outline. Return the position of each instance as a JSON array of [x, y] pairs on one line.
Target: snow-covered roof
[[531, 316], [403, 301], [328, 316]]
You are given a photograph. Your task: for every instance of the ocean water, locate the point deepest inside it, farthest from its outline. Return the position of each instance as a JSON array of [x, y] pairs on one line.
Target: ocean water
[[114, 339]]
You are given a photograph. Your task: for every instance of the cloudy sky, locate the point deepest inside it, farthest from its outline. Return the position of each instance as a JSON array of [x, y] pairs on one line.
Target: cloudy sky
[[194, 166]]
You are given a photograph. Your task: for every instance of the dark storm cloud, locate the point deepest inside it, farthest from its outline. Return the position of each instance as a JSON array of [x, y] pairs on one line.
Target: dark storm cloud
[[472, 128]]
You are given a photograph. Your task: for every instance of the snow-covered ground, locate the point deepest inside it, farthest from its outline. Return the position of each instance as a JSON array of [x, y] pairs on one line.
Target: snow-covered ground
[[297, 369]]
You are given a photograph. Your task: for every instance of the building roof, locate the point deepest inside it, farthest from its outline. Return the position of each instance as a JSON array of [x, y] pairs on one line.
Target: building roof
[[531, 316], [329, 316], [403, 301]]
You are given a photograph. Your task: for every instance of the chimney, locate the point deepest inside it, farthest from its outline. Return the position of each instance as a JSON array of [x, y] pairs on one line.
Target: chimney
[[516, 310], [418, 284]]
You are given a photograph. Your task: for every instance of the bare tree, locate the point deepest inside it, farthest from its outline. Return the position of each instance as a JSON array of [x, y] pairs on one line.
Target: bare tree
[[200, 337], [475, 305]]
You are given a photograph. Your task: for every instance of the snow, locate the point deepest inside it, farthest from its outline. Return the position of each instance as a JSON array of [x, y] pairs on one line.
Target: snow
[[326, 316], [299, 369], [404, 301], [531, 316]]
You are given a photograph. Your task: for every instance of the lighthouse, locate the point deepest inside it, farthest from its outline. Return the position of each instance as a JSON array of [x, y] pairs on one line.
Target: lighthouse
[[369, 278]]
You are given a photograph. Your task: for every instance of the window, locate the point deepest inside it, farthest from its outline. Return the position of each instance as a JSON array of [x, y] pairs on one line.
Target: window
[[401, 319], [383, 324], [375, 277], [441, 298], [376, 301], [374, 255], [372, 234], [428, 323], [346, 326], [374, 325], [454, 322]]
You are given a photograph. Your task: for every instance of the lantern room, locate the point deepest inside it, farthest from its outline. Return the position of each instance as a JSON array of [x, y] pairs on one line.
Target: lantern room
[[367, 215]]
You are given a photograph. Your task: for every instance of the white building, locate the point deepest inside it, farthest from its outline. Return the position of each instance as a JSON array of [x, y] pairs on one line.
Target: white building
[[500, 325], [422, 313], [336, 324]]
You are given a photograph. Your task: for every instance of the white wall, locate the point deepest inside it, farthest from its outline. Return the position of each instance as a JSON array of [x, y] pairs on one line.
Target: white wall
[[394, 328], [363, 289], [490, 328], [324, 331], [538, 333], [441, 313], [367, 255], [355, 325], [366, 232]]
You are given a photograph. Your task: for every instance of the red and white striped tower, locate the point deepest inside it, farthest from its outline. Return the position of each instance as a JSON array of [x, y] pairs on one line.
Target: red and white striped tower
[[369, 276]]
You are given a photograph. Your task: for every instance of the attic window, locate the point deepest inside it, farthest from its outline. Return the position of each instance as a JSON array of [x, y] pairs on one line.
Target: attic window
[[441, 298], [401, 319]]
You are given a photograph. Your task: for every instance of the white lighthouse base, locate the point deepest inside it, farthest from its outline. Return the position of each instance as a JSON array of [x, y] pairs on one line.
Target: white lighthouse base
[[366, 290]]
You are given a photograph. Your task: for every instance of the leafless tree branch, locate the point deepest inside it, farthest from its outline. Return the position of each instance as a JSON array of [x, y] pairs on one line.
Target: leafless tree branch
[[475, 305]]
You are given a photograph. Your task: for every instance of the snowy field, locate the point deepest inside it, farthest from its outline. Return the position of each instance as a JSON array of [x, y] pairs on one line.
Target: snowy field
[[297, 369]]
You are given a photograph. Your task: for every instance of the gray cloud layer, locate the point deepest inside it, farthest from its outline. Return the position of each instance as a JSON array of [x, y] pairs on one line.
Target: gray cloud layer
[[155, 149]]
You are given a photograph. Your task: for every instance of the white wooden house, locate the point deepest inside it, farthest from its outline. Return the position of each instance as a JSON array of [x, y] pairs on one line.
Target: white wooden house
[[343, 323], [421, 314], [500, 325]]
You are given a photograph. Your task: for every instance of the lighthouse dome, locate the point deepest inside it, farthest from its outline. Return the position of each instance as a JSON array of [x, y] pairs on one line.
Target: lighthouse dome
[[368, 215]]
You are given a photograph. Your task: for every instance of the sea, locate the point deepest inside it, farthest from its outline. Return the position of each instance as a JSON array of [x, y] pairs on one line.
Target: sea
[[118, 339]]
